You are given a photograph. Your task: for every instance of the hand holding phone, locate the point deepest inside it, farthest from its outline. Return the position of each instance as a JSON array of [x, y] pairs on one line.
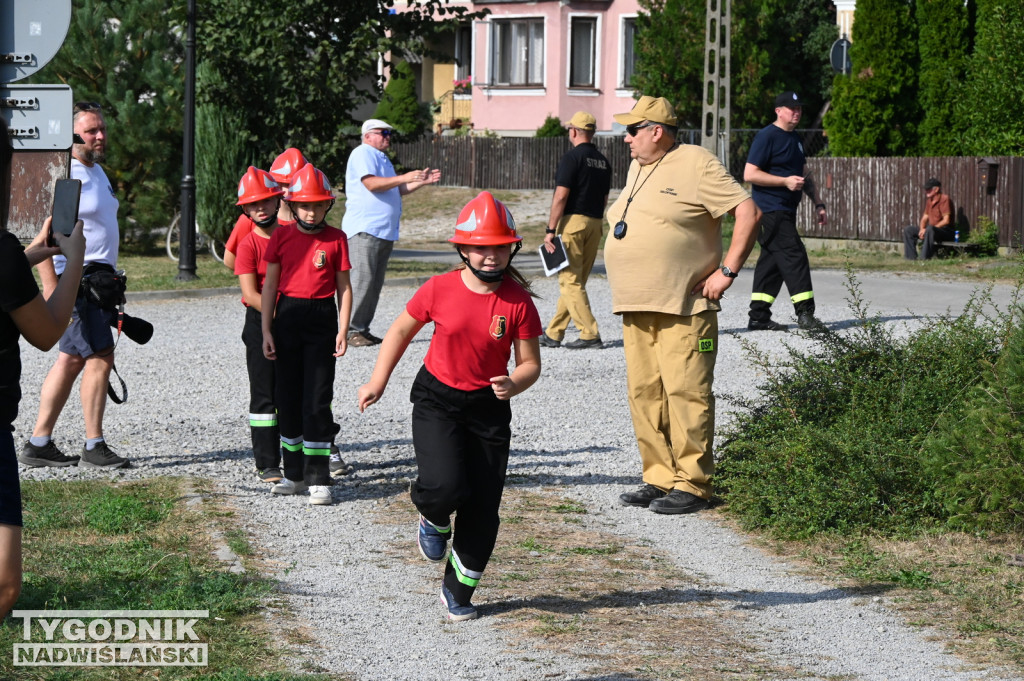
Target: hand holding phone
[[66, 194]]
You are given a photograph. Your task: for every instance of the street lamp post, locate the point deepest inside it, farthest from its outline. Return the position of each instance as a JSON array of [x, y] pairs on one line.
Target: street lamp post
[[187, 255]]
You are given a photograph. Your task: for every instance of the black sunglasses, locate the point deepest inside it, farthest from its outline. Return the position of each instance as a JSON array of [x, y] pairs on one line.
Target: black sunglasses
[[384, 132], [82, 107], [632, 130]]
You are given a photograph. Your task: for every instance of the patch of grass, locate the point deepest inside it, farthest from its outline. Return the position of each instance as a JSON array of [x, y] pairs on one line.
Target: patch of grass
[[570, 507], [96, 545], [595, 550], [125, 510], [531, 544], [238, 542]]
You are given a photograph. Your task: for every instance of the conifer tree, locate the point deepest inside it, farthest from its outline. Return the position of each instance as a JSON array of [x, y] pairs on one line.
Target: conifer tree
[[774, 47], [400, 107], [875, 110], [946, 41], [990, 105], [127, 56]]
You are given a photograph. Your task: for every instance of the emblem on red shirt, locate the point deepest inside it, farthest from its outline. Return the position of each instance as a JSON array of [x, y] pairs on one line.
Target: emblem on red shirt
[[320, 259], [499, 324]]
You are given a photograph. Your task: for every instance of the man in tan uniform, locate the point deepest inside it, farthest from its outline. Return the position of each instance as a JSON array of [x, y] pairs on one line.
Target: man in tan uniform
[[667, 274]]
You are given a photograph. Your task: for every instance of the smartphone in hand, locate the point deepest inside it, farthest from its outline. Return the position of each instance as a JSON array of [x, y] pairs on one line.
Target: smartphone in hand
[[66, 194]]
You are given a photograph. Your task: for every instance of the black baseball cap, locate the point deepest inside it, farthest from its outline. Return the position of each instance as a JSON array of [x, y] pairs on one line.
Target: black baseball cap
[[932, 182], [788, 98]]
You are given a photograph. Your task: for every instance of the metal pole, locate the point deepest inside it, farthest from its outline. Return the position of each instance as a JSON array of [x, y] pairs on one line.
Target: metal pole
[[187, 254]]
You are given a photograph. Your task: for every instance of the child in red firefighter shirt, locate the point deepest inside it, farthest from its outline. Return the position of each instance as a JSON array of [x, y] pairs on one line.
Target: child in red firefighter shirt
[[305, 330], [259, 197], [461, 415]]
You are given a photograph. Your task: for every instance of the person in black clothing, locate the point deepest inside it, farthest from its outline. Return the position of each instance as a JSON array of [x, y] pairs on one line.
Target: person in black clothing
[[775, 170], [24, 312], [581, 192]]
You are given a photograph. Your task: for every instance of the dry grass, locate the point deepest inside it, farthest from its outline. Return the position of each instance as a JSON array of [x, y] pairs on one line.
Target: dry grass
[[967, 588], [618, 604]]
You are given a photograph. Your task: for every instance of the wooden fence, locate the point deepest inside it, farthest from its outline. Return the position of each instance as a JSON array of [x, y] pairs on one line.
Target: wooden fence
[[867, 198], [874, 198]]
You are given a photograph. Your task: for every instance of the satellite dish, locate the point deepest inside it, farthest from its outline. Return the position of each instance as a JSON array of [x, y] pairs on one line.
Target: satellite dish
[[839, 56], [31, 33]]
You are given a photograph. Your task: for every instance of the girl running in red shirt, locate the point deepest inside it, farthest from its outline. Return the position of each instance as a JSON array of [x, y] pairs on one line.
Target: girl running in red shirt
[[461, 414]]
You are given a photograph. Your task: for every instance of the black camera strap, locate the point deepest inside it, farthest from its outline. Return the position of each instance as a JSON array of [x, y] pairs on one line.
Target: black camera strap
[[112, 394]]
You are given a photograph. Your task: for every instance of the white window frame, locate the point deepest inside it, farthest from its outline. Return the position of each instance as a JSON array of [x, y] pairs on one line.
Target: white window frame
[[597, 42], [622, 88], [492, 29]]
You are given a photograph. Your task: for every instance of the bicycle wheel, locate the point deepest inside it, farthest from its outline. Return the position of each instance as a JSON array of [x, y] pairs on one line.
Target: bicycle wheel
[[174, 237], [214, 245]]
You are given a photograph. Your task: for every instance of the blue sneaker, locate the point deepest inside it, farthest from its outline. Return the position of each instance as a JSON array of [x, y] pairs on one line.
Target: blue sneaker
[[433, 540], [456, 612]]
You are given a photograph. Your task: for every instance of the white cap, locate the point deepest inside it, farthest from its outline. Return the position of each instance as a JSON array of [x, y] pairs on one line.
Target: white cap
[[375, 124]]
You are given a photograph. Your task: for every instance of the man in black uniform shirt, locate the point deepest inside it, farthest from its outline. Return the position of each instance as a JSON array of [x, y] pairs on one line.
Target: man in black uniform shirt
[[581, 192]]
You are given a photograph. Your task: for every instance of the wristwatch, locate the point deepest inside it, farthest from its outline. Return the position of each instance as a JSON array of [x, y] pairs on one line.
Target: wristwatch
[[548, 231], [729, 273]]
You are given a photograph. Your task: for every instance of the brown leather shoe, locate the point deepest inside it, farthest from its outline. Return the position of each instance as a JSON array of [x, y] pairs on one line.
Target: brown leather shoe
[[362, 340]]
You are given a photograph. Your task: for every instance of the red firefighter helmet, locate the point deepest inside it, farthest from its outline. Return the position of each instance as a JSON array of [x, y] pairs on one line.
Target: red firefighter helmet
[[309, 185], [257, 185], [485, 221], [284, 167]]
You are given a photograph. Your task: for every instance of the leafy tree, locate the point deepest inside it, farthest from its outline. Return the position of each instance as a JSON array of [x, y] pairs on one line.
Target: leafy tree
[[400, 106], [128, 57], [774, 47], [777, 47], [552, 128], [875, 110], [297, 70], [670, 55], [945, 39], [991, 103]]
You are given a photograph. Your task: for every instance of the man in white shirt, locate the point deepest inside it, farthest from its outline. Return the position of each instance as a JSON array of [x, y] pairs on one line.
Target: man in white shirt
[[373, 207], [87, 347]]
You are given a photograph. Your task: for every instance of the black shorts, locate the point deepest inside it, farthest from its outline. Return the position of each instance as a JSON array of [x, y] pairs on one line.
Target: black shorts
[[89, 331], [10, 485]]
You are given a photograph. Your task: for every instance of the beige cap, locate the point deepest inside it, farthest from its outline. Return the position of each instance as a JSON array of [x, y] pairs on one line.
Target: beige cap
[[647, 108], [583, 121]]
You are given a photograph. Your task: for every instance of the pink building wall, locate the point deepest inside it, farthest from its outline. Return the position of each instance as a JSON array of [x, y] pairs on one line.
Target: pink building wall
[[511, 110]]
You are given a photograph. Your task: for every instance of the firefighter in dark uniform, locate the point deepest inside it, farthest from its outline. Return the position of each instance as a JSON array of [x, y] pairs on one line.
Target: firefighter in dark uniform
[[775, 170]]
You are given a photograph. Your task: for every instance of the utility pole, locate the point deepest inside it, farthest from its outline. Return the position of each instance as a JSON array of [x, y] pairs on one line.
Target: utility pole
[[716, 110]]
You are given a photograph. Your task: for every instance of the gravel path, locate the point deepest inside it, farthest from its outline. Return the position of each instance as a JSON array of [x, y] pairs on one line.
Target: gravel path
[[376, 614]]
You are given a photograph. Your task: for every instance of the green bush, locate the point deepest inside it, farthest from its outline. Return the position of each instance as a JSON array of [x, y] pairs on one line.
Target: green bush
[[986, 235], [552, 128], [833, 442], [978, 458]]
